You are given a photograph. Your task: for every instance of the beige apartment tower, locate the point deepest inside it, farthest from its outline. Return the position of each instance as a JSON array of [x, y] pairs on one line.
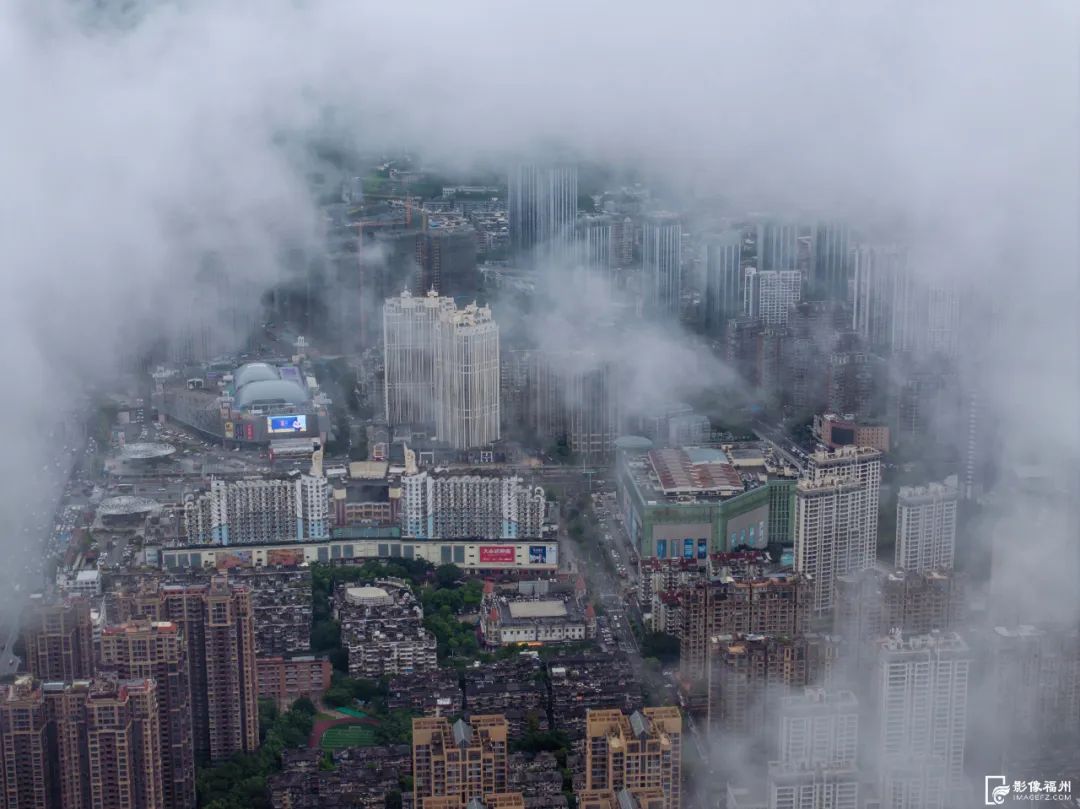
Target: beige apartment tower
[[642, 751], [458, 763]]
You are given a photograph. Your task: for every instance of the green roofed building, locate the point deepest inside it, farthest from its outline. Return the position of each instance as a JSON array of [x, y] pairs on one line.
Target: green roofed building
[[690, 502]]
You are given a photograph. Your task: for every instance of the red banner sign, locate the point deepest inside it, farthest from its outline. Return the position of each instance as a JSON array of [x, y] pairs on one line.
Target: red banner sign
[[497, 553]]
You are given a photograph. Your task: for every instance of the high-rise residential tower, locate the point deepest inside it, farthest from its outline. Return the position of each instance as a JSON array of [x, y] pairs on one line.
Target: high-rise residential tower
[[463, 761], [59, 639], [409, 352], [639, 751], [25, 771], [819, 748], [723, 280], [467, 377], [768, 295], [217, 623], [156, 650], [661, 262], [832, 262], [921, 704], [542, 203], [926, 526]]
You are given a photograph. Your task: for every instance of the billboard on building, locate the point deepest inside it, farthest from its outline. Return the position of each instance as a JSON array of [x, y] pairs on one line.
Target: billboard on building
[[223, 560], [703, 549], [249, 431], [538, 554], [661, 549], [276, 425], [497, 553], [688, 548], [285, 557], [230, 430]]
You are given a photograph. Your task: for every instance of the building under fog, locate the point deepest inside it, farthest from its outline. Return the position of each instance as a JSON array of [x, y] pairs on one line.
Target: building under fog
[[572, 398], [926, 526], [768, 295], [542, 203], [409, 354], [467, 377], [723, 280], [661, 262]]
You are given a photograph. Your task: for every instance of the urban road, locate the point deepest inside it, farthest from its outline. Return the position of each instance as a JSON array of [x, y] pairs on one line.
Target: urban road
[[37, 527], [621, 609]]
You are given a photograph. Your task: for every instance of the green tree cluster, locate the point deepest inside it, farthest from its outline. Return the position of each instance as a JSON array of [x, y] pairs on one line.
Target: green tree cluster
[[240, 782]]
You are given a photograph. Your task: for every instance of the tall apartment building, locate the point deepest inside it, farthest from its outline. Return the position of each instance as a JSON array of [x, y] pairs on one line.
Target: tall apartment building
[[723, 280], [811, 335], [749, 674], [768, 295], [1033, 691], [542, 203], [217, 622], [80, 745], [59, 639], [830, 536], [467, 378], [877, 272], [661, 262], [263, 510], [832, 267], [440, 506], [635, 752], [596, 243], [779, 244], [156, 651], [26, 773], [836, 517], [926, 526], [738, 603], [819, 749], [409, 356], [463, 761], [856, 384], [572, 397], [123, 745], [921, 705], [869, 604]]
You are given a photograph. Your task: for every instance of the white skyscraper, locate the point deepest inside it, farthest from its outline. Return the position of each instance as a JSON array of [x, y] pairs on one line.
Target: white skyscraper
[[467, 377], [836, 517], [542, 203], [921, 702], [778, 244], [862, 464], [769, 294], [926, 526], [723, 280], [409, 354], [661, 263], [878, 270], [830, 535], [596, 242], [819, 748]]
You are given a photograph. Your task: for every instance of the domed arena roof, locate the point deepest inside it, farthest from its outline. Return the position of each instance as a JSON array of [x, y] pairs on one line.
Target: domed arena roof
[[270, 391], [254, 372]]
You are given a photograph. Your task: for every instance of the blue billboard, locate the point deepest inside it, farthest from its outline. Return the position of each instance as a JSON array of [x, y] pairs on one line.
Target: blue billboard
[[702, 549], [275, 425], [688, 549], [661, 549]]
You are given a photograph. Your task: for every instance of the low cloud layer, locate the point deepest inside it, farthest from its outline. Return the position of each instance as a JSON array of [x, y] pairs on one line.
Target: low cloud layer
[[139, 143]]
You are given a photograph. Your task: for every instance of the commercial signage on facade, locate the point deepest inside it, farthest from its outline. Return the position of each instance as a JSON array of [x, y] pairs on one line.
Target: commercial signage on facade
[[497, 553], [230, 430]]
